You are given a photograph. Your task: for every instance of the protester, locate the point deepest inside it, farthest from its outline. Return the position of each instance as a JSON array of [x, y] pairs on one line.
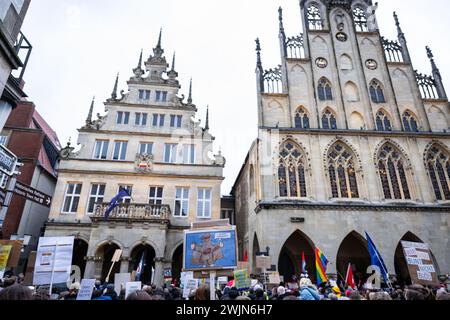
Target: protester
[[16, 292], [308, 291], [139, 295], [203, 293]]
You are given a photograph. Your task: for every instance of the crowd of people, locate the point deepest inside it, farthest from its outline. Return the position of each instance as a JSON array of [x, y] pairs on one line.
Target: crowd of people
[[12, 288]]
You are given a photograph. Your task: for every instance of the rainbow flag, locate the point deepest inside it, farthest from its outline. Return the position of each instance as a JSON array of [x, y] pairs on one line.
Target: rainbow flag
[[321, 267]]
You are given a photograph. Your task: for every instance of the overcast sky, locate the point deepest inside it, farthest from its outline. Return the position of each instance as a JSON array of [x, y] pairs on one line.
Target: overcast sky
[[80, 45]]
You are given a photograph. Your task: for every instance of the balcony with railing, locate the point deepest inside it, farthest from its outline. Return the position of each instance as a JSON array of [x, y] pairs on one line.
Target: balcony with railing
[[133, 213]]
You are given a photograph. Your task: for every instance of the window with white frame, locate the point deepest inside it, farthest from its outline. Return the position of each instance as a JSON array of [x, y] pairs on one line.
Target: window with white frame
[[146, 148], [181, 202], [161, 96], [156, 195], [123, 117], [96, 196], [127, 199], [170, 153], [101, 149], [120, 150], [72, 198], [144, 94], [204, 203], [189, 153], [158, 120], [140, 119], [175, 121], [3, 140]]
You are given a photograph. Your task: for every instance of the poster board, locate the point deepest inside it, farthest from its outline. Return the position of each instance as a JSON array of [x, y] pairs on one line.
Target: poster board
[[53, 260], [263, 262], [5, 251], [131, 287], [86, 288], [241, 279], [421, 266], [14, 255], [274, 278], [120, 280], [210, 249]]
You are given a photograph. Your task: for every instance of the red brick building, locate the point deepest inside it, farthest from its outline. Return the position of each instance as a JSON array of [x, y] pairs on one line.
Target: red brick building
[[37, 146]]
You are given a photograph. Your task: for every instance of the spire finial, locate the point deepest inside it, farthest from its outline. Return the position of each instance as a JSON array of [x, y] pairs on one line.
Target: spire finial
[[207, 118], [258, 54], [397, 23], [114, 93], [280, 19], [173, 61], [140, 60], [159, 39], [442, 94], [190, 93], [91, 111], [429, 53]]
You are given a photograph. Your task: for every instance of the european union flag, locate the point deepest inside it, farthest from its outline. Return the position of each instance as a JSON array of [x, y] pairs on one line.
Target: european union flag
[[116, 201], [376, 259]]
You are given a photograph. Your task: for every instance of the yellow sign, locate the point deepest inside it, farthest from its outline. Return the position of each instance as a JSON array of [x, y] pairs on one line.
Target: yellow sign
[[4, 256]]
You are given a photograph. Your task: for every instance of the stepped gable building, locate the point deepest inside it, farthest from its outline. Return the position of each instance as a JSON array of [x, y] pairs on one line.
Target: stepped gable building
[[351, 139], [148, 143]]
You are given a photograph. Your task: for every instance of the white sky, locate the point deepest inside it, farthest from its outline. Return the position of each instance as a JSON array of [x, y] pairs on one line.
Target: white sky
[[80, 45]]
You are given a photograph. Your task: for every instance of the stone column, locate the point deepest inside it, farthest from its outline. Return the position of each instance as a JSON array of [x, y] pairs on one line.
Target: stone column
[[158, 277], [89, 271], [125, 262]]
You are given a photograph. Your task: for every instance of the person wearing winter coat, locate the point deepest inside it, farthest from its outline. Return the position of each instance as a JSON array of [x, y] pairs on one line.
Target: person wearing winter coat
[[307, 291]]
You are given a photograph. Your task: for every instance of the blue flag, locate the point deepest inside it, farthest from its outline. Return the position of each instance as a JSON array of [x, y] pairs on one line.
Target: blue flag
[[116, 201], [140, 268], [376, 259]]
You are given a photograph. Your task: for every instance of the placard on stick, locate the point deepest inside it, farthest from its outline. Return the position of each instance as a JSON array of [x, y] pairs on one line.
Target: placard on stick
[[421, 267]]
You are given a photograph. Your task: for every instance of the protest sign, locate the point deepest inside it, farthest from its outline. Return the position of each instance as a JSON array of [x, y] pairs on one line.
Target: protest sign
[[131, 287], [274, 278], [421, 267], [4, 257], [241, 279], [120, 280], [86, 288]]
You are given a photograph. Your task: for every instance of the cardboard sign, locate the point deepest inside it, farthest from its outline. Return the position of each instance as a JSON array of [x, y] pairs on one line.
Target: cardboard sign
[[120, 280], [274, 278], [131, 287], [16, 250], [86, 288], [263, 262], [421, 267], [53, 260], [117, 255]]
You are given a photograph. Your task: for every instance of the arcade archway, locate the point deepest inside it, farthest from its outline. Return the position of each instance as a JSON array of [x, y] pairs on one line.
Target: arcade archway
[[353, 249], [289, 262], [148, 253], [106, 253], [177, 264], [79, 253], [401, 268]]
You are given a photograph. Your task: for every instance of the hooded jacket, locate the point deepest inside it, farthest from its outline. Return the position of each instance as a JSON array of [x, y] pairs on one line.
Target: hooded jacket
[[307, 293]]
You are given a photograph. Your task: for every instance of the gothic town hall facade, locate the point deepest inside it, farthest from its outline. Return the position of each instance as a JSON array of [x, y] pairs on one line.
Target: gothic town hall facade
[[352, 139]]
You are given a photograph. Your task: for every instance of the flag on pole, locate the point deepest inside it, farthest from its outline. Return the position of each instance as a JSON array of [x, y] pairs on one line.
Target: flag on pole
[[116, 201], [321, 267], [303, 269], [349, 279], [376, 259], [140, 268]]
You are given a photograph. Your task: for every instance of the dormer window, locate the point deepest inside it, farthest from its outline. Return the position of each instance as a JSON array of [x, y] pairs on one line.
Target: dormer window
[[144, 95], [161, 96]]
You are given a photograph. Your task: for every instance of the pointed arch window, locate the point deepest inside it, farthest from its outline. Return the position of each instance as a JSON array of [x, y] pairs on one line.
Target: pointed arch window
[[341, 169], [410, 122], [329, 120], [438, 166], [291, 171], [360, 19], [391, 167], [301, 119], [376, 92], [324, 90], [314, 18], [383, 122]]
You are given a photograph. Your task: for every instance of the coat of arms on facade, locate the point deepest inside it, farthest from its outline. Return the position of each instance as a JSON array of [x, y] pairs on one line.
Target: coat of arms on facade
[[144, 163]]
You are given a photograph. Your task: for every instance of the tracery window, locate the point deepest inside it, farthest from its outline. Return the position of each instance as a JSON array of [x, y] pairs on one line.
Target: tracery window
[[376, 92], [341, 169], [314, 17], [291, 171], [324, 90], [410, 122], [360, 19], [301, 119], [329, 120], [438, 166], [383, 122], [391, 167]]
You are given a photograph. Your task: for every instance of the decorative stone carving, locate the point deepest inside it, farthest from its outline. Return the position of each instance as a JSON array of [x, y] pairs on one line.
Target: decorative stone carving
[[144, 163]]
